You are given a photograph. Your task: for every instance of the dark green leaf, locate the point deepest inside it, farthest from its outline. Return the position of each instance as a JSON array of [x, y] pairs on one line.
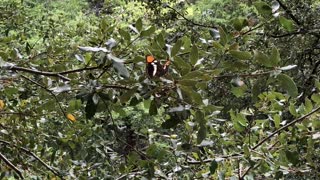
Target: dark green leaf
[[125, 97], [153, 109], [148, 32], [223, 36], [288, 84], [213, 167], [176, 48], [293, 157], [194, 56], [263, 8], [138, 25], [262, 59], [192, 95], [239, 23], [91, 107], [181, 65], [187, 82], [125, 35], [202, 133], [275, 57]]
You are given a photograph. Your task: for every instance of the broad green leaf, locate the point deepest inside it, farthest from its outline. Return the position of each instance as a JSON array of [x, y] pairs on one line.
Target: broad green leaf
[[217, 45], [126, 96], [316, 98], [239, 121], [194, 56], [292, 110], [262, 58], [239, 23], [202, 133], [277, 120], [138, 25], [181, 65], [263, 8], [90, 108], [287, 24], [186, 43], [160, 40], [213, 167], [242, 55], [256, 90], [196, 75], [239, 91], [153, 109], [125, 35], [74, 104], [235, 65], [187, 82], [176, 48], [192, 95], [223, 36], [308, 105], [288, 84], [274, 57], [148, 32], [293, 157]]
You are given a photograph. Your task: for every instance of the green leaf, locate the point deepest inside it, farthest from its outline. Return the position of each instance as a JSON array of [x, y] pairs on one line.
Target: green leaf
[[223, 36], [287, 24], [316, 98], [288, 84], [181, 65], [292, 110], [262, 58], [192, 95], [153, 109], [239, 23], [242, 55], [276, 119], [74, 104], [239, 121], [239, 91], [125, 35], [160, 40], [202, 133], [187, 82], [308, 105], [176, 48], [293, 157], [217, 45], [213, 167], [91, 107], [194, 56], [126, 96], [148, 32], [138, 25], [263, 8], [317, 84], [275, 57]]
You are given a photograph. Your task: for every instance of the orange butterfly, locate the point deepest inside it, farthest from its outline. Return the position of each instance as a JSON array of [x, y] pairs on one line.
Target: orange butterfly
[[154, 68]]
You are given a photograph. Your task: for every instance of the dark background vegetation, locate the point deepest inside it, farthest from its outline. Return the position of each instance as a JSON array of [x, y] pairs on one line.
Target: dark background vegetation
[[240, 101]]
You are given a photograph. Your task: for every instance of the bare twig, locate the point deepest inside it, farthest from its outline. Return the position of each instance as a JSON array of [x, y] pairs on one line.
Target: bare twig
[[52, 74], [12, 166], [27, 151], [46, 89]]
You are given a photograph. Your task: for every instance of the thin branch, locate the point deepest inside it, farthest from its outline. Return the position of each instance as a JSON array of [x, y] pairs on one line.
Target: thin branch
[[27, 151], [285, 127], [244, 75], [46, 89], [53, 74], [11, 165], [188, 20], [288, 11], [116, 87]]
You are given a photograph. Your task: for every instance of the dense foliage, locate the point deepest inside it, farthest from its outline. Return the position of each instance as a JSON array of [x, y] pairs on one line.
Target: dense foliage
[[241, 99]]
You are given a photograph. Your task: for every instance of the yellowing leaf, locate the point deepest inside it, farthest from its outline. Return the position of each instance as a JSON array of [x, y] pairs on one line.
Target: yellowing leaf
[[71, 117], [1, 104]]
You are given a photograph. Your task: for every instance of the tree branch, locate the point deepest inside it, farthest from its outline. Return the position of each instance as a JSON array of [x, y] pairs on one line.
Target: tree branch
[[288, 11], [53, 74], [27, 151], [11, 165]]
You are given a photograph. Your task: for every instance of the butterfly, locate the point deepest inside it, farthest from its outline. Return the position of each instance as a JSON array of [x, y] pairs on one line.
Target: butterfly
[[154, 68]]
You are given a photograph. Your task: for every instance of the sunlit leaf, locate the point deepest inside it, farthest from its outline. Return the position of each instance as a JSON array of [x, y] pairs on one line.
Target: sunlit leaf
[[263, 8], [287, 24], [93, 49], [289, 67], [1, 104], [148, 32], [80, 58]]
